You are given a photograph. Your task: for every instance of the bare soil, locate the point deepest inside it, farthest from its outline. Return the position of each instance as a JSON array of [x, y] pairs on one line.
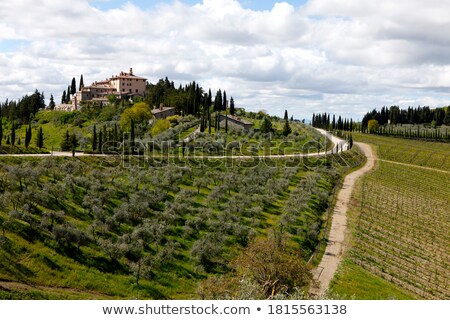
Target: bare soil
[[324, 273]]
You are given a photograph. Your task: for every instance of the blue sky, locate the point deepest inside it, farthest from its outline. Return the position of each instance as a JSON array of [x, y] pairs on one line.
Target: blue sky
[[249, 4], [12, 45]]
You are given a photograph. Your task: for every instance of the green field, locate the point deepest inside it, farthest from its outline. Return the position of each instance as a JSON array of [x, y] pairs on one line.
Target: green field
[[96, 228], [399, 222]]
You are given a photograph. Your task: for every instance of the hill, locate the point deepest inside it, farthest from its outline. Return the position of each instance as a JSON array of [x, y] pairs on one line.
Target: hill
[[157, 227]]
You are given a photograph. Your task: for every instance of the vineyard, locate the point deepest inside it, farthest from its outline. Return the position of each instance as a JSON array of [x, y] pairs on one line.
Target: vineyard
[[421, 153], [401, 218], [420, 132]]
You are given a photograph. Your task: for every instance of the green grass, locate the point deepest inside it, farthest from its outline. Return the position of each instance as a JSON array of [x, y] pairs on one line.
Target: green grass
[[354, 282], [186, 133], [54, 126], [421, 153]]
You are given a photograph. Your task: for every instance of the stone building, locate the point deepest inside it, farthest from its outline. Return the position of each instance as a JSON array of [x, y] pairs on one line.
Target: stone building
[[236, 121], [163, 112], [124, 85]]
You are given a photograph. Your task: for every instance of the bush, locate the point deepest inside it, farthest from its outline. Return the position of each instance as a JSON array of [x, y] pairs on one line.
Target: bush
[[274, 267], [207, 251], [139, 113], [173, 119], [160, 126]]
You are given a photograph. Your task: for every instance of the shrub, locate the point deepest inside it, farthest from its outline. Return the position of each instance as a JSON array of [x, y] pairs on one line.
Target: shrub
[[173, 119], [139, 113], [207, 251], [274, 267]]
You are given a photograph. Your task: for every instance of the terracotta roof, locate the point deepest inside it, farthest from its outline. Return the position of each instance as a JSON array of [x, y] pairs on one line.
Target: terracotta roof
[[124, 75]]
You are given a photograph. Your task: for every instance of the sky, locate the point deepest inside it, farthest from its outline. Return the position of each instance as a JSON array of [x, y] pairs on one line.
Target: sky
[[344, 57]]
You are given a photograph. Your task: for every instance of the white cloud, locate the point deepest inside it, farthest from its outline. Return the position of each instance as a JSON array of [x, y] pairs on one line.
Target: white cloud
[[330, 55]]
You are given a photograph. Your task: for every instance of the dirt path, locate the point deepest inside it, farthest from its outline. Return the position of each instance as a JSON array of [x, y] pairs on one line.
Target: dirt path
[[342, 146], [335, 248]]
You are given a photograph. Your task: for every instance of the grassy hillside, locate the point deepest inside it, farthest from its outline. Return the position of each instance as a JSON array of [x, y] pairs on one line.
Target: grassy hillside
[[99, 228], [399, 224]]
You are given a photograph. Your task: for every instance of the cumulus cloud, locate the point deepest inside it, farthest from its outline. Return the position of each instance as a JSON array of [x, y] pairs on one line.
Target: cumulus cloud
[[342, 56]]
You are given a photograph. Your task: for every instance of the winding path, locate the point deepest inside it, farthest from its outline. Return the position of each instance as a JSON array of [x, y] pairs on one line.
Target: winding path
[[324, 273], [338, 143]]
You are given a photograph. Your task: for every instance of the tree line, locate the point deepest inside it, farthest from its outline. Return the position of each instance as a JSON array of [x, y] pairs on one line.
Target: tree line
[[386, 121], [393, 116], [23, 109], [189, 99], [420, 115], [21, 112]]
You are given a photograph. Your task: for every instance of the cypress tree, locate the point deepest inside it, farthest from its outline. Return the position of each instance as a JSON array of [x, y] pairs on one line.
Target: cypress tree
[[226, 121], [13, 134], [104, 134], [51, 104], [116, 135], [26, 137], [1, 130], [286, 128], [202, 123], [209, 100], [66, 144], [73, 143], [73, 87], [68, 94], [224, 104], [266, 126], [94, 139], [63, 98], [30, 135], [40, 138], [132, 133], [218, 101], [209, 121], [216, 121], [81, 83], [100, 141], [286, 117]]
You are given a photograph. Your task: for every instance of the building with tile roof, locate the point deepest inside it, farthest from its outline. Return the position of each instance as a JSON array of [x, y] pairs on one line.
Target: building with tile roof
[[125, 85]]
